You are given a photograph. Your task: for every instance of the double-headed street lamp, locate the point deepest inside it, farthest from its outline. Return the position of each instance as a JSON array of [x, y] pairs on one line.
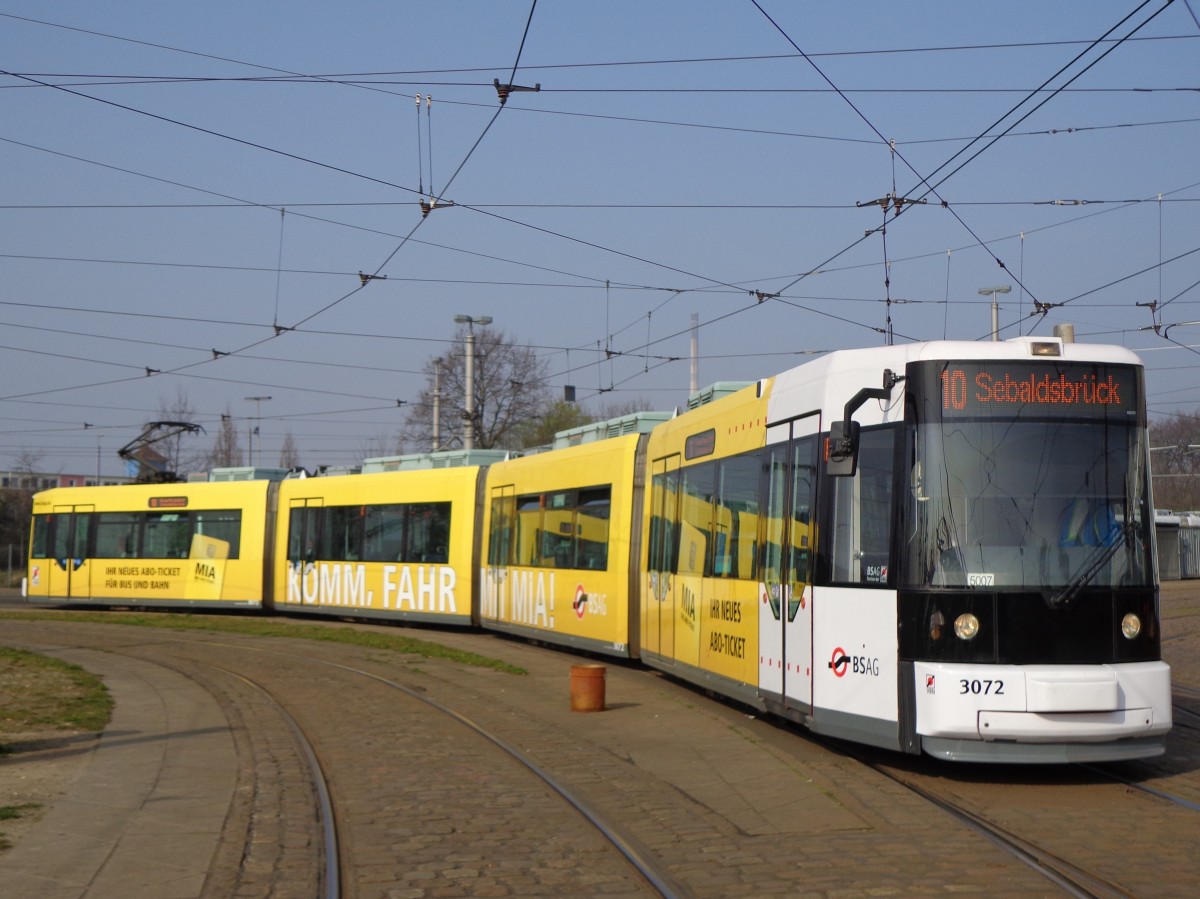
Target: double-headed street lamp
[[470, 423], [984, 291]]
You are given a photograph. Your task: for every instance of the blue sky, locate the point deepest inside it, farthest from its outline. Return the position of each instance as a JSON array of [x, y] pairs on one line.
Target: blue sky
[[183, 178]]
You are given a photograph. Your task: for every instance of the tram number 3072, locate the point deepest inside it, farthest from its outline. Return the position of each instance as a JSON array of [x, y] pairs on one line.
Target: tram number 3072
[[981, 687]]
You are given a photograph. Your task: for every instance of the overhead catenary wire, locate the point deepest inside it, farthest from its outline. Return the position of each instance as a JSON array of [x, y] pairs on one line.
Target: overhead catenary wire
[[972, 47], [36, 81], [278, 330], [823, 264], [923, 179], [610, 330]]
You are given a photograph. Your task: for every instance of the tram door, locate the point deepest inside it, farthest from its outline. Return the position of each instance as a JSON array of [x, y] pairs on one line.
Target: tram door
[[70, 573], [304, 549], [789, 546], [658, 594], [502, 540]]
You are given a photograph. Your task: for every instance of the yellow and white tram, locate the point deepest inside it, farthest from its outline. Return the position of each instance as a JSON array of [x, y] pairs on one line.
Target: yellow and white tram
[[200, 545], [954, 551], [941, 548], [385, 544], [561, 535]]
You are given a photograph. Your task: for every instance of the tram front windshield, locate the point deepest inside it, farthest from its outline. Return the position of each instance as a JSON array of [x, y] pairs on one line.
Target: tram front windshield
[[1025, 500]]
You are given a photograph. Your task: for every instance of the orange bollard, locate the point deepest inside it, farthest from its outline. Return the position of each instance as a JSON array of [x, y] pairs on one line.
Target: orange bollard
[[587, 688]]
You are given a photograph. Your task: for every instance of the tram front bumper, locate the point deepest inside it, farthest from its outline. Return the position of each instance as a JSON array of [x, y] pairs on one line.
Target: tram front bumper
[[1043, 703]]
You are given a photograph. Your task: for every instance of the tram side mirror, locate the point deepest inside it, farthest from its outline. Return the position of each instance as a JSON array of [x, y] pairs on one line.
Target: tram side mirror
[[841, 452]]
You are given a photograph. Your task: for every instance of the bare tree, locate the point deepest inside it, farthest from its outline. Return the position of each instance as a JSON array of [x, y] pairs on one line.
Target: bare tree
[[509, 393], [623, 408], [1175, 461], [289, 456], [16, 500], [173, 448], [381, 444], [226, 452], [28, 461]]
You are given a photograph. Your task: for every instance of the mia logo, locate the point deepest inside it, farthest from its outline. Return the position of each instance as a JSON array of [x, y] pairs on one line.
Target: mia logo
[[206, 571], [687, 607]]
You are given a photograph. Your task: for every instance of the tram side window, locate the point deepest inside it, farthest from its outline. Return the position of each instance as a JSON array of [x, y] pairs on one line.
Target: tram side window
[[862, 522], [407, 532], [343, 534], [735, 519], [63, 535], [804, 486], [81, 536], [384, 540], [664, 533], [151, 535], [561, 529], [576, 528], [428, 531], [41, 536], [118, 535], [528, 531], [594, 507], [501, 542], [696, 527], [222, 524], [167, 535], [304, 532], [789, 482], [560, 532]]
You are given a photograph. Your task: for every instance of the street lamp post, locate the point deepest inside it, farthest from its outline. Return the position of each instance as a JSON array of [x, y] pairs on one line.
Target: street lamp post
[[984, 291], [437, 405], [469, 398], [258, 401]]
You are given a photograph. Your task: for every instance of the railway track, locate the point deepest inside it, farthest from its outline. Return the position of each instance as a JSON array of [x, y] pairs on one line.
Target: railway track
[[1067, 862], [1071, 878], [650, 870], [328, 883], [317, 784], [1005, 806], [430, 770]]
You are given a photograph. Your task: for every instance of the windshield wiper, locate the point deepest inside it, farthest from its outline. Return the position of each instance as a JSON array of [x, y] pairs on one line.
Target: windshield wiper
[[1103, 555]]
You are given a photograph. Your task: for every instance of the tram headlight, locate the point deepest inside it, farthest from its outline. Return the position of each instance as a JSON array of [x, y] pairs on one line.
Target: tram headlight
[[966, 626], [1131, 626]]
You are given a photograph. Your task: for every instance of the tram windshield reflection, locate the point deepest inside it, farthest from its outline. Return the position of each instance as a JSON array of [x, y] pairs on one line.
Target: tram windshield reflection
[[1004, 503]]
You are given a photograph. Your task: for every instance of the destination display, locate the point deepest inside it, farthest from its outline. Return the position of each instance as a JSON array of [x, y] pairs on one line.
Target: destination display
[[999, 388], [168, 502]]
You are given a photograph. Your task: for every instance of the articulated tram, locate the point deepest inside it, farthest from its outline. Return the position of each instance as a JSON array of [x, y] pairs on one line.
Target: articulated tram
[[941, 548]]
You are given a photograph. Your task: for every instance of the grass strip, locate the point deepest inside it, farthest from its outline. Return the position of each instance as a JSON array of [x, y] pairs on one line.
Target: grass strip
[[39, 692], [275, 627]]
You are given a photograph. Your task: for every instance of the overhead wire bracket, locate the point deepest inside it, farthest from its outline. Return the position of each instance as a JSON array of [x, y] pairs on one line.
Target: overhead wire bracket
[[891, 201], [427, 206], [503, 90], [1155, 324], [1042, 309]]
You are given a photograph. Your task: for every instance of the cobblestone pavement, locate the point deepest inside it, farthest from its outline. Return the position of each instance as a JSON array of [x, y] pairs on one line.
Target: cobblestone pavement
[[731, 804]]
